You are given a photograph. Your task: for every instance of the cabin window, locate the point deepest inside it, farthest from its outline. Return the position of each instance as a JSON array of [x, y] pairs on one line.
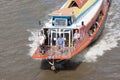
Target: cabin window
[[100, 16], [60, 22]]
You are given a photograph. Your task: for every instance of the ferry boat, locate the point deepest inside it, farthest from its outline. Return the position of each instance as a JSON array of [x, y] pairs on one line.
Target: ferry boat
[[85, 16]]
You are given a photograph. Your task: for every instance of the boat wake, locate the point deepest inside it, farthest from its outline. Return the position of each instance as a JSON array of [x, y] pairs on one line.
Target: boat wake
[[33, 39], [110, 38]]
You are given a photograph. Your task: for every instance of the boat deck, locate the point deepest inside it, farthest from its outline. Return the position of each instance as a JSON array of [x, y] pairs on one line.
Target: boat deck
[[53, 51]]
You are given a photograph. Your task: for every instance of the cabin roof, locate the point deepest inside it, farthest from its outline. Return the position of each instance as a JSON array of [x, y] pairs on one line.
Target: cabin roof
[[69, 11], [63, 12]]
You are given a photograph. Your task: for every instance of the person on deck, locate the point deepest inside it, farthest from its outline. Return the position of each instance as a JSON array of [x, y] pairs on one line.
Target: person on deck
[[60, 42], [76, 36], [41, 40]]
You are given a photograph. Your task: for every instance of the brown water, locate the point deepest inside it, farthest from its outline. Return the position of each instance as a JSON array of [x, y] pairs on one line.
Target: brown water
[[19, 18]]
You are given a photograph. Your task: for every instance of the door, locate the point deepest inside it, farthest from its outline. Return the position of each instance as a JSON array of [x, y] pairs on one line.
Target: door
[[66, 34]]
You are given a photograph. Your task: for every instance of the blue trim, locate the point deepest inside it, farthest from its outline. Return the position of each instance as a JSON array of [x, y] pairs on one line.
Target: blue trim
[[85, 12], [66, 17]]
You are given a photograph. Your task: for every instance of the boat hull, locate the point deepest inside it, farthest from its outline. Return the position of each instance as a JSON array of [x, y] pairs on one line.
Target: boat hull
[[56, 59]]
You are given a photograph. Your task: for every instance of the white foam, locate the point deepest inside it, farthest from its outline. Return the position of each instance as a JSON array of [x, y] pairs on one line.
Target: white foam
[[110, 38], [33, 39], [109, 41]]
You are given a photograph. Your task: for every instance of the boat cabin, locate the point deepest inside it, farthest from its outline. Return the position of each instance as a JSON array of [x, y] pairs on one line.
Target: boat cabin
[[62, 21], [52, 35], [63, 17]]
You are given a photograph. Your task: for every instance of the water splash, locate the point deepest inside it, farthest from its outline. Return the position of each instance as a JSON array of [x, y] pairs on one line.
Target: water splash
[[109, 41], [33, 39]]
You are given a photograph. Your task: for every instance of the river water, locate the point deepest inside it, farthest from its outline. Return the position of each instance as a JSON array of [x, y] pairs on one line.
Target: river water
[[18, 30]]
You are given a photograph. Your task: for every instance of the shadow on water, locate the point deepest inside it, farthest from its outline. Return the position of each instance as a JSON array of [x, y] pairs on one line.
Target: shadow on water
[[67, 65], [71, 65]]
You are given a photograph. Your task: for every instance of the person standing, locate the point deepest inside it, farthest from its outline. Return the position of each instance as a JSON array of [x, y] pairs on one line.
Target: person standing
[[76, 36], [60, 42]]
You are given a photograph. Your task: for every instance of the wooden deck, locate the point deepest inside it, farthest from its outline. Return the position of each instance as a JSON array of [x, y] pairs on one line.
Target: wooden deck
[[54, 51]]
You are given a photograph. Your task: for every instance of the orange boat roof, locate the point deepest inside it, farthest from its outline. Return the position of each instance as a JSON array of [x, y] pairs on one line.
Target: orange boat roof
[[63, 12], [69, 11]]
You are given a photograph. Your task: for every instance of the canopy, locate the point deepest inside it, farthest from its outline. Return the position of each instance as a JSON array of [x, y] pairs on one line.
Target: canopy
[[63, 12]]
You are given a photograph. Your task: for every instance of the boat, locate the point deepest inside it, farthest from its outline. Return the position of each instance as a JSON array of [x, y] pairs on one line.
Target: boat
[[85, 16]]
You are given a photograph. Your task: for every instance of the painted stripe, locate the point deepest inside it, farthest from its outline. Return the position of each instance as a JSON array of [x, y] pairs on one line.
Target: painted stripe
[[78, 18]]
